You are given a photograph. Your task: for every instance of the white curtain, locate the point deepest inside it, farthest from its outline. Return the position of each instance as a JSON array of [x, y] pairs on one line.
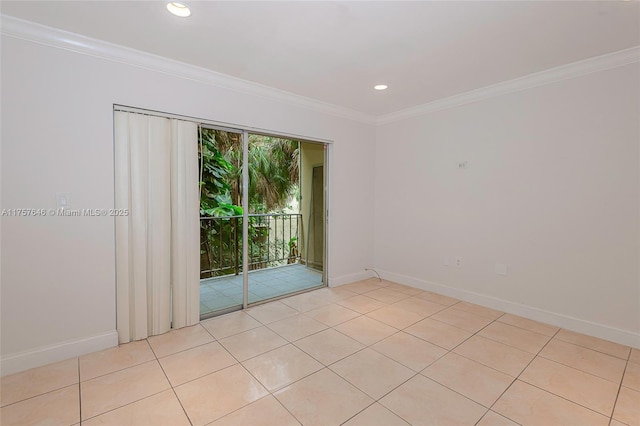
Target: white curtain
[[157, 244]]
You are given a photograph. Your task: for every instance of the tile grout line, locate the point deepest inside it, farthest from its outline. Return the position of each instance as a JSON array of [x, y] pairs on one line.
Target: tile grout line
[[592, 349], [498, 414], [547, 391], [366, 408], [251, 374], [187, 349], [124, 405], [238, 362], [327, 366], [413, 371], [376, 400], [119, 370], [38, 395], [477, 333], [324, 367], [123, 369], [169, 381], [419, 373], [450, 351], [567, 399], [284, 406], [79, 393], [518, 376], [581, 370], [538, 354], [272, 393], [613, 410]]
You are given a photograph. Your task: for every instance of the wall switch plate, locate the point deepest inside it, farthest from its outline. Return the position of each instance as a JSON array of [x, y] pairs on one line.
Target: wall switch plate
[[457, 262], [501, 268], [62, 200]]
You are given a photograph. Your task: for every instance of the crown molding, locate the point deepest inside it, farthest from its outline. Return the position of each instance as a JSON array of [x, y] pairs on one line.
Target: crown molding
[[37, 33], [574, 69]]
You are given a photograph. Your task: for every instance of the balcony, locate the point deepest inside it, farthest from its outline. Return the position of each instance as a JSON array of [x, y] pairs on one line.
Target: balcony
[[275, 265]]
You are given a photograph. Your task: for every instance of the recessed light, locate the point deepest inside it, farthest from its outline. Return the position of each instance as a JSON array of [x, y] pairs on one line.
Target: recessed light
[[380, 86], [178, 9]]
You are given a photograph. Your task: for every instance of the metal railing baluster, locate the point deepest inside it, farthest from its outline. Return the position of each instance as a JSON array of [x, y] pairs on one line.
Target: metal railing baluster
[[264, 250]]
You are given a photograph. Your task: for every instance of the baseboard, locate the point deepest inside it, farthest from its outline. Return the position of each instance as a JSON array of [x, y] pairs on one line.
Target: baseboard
[[21, 361], [617, 335], [346, 279]]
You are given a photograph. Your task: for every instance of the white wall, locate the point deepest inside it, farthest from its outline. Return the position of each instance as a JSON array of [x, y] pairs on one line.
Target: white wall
[[58, 278], [551, 189]]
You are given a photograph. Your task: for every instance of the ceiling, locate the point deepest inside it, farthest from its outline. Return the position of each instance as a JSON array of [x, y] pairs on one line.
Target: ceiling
[[337, 51]]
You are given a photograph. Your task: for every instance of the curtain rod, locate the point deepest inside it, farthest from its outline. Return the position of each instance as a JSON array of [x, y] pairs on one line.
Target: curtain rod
[[218, 125]]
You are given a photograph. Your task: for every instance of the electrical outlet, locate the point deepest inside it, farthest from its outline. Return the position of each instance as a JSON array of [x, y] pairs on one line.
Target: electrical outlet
[[457, 262], [501, 268]]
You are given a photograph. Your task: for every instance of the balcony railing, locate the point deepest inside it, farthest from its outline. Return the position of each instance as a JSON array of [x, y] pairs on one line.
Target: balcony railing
[[273, 241]]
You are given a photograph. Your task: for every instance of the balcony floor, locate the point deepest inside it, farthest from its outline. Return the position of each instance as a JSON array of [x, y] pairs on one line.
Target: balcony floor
[[221, 293]]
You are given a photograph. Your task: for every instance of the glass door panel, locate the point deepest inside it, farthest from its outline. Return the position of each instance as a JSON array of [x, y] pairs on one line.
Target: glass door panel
[[221, 221], [276, 220]]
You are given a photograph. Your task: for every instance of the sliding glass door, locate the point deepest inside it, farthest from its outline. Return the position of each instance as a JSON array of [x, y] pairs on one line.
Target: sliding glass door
[[262, 218]]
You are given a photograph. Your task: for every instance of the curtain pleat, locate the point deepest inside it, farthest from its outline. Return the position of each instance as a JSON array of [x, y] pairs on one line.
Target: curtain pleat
[[157, 245], [185, 213], [123, 254], [159, 225]]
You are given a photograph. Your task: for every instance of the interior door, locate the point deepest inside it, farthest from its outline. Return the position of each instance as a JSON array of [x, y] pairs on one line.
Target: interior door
[[317, 212]]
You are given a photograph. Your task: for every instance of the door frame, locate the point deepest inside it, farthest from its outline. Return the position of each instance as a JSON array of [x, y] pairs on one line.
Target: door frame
[[245, 131]]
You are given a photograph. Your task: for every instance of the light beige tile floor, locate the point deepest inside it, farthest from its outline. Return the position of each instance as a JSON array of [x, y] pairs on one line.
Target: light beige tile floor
[[368, 353]]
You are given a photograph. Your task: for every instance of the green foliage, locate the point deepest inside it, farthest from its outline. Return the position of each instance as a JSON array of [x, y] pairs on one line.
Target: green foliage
[[273, 179], [222, 207], [214, 186], [273, 172]]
